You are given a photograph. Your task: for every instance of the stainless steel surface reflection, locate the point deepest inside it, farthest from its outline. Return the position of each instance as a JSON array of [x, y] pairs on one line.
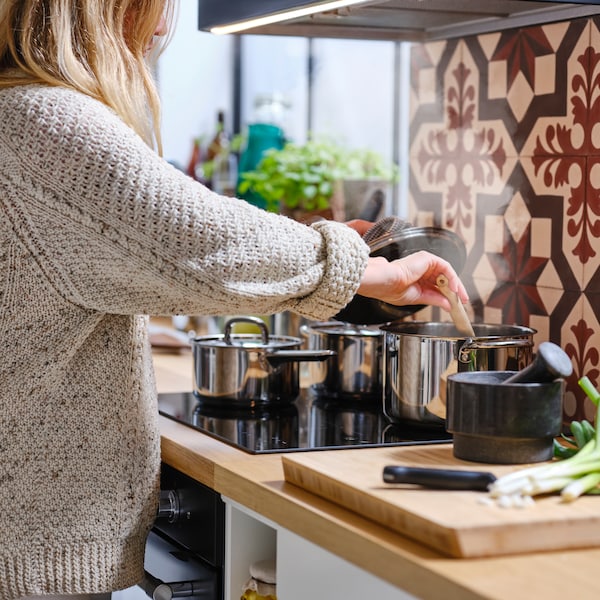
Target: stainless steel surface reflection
[[345, 423], [418, 357], [354, 371], [259, 428]]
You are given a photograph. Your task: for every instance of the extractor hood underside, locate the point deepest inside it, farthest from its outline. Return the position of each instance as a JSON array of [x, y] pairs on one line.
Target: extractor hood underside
[[423, 20]]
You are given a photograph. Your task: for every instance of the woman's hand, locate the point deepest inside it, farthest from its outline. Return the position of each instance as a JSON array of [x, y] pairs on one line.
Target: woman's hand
[[410, 280]]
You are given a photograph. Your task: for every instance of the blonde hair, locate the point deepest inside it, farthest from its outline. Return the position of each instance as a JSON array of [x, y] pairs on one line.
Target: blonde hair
[[97, 47]]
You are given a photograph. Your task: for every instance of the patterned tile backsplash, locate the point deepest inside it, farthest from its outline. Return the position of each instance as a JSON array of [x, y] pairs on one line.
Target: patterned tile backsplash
[[505, 151]]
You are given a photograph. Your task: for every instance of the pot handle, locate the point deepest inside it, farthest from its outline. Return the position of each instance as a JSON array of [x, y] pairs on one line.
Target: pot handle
[[284, 356], [482, 343], [264, 332], [304, 330]]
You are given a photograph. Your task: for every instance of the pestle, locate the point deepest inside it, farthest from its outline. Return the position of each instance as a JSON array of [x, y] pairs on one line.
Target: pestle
[[551, 362]]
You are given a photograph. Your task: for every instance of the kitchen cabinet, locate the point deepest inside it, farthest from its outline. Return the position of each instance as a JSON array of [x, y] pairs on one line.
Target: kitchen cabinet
[[248, 538], [314, 539], [249, 535], [304, 570]]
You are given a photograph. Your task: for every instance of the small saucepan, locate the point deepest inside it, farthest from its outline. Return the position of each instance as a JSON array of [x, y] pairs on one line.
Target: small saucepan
[[355, 369], [249, 369]]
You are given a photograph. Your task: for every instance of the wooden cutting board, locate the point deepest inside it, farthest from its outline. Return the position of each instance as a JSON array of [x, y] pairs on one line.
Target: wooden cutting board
[[456, 523]]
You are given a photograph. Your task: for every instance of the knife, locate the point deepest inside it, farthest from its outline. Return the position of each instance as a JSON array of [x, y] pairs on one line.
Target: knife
[[447, 479]]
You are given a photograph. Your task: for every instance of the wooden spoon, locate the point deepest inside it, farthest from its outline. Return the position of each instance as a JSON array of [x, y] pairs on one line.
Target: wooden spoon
[[457, 309]]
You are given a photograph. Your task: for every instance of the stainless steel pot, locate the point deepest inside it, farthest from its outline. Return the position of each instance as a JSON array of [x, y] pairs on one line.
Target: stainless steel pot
[[249, 369], [418, 358], [355, 369]]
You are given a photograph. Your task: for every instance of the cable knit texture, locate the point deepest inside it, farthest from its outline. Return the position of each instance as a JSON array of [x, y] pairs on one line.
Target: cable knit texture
[[95, 230]]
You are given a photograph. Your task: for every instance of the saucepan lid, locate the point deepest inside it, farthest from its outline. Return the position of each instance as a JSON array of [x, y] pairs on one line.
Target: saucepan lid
[[341, 329], [394, 238]]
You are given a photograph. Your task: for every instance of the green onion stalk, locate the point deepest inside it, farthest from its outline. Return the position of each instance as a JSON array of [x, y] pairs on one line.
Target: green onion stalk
[[576, 474]]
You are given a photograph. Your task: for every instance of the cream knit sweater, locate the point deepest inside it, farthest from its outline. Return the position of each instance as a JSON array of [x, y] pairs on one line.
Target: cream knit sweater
[[97, 230]]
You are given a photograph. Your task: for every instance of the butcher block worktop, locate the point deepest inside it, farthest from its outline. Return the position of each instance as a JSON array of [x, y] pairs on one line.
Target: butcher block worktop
[[258, 482]]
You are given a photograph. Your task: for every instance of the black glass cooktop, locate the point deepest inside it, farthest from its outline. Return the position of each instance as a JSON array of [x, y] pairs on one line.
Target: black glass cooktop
[[310, 422]]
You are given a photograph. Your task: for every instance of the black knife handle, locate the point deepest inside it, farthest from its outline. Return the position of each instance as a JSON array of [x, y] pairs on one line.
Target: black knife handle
[[447, 479]]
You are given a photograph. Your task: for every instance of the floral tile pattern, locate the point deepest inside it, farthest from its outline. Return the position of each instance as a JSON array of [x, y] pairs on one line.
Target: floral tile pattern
[[505, 151]]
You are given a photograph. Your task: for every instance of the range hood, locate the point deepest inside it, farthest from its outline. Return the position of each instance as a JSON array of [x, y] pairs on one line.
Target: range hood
[[409, 20]]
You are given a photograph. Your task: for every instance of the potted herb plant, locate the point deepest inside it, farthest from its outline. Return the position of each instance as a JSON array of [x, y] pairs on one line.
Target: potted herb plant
[[304, 181], [366, 174]]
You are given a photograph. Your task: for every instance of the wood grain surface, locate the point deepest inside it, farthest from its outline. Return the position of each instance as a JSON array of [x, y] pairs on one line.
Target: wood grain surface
[[456, 523]]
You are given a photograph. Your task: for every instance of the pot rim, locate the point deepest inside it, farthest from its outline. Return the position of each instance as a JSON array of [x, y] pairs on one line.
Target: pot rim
[[494, 378], [449, 331], [246, 341], [341, 328]]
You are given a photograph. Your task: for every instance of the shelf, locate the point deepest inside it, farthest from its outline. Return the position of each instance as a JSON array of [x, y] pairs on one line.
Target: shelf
[[407, 20]]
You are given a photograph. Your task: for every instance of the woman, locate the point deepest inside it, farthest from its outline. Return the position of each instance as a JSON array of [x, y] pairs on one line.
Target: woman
[[97, 230]]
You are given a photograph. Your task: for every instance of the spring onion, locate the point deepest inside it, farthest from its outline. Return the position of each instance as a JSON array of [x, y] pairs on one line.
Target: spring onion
[[581, 433], [576, 473]]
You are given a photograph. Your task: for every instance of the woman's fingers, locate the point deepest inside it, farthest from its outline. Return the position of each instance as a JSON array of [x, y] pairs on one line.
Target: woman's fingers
[[410, 280]]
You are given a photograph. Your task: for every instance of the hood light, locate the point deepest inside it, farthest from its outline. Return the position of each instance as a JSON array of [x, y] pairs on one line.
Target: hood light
[[284, 16]]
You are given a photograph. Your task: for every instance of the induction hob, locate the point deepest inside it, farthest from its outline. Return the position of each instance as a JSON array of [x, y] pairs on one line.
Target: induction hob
[[310, 422]]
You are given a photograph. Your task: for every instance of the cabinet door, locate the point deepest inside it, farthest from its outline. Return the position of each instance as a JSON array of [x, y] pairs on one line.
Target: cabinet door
[[305, 570]]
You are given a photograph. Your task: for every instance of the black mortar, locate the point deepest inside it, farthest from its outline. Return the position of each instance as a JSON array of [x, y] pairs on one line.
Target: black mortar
[[494, 421]]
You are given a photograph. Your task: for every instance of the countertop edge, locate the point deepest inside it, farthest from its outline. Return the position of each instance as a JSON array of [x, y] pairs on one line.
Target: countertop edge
[[257, 482]]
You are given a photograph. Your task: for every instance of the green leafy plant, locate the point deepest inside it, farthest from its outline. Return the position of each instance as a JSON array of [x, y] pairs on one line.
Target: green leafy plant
[[368, 164], [304, 176]]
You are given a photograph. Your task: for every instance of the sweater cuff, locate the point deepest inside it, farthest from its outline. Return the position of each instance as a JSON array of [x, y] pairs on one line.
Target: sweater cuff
[[346, 256]]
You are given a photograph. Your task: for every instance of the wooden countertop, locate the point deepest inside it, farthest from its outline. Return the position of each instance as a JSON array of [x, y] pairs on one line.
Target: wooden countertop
[[258, 483]]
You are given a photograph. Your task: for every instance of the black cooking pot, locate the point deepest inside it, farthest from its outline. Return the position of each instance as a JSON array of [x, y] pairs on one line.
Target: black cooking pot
[[394, 238], [249, 368]]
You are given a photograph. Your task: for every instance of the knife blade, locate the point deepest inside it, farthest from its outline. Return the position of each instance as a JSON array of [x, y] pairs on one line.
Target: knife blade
[[448, 479]]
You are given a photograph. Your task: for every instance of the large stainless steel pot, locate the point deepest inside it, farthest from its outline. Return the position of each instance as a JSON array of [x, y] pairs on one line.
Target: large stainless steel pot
[[418, 358], [248, 369], [355, 369]]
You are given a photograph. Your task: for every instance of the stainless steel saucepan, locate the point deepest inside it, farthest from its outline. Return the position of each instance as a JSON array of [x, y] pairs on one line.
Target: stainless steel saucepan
[[355, 369], [247, 369], [418, 357]]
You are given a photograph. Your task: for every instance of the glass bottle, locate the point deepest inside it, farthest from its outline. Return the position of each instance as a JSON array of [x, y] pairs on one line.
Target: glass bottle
[[223, 162], [195, 167]]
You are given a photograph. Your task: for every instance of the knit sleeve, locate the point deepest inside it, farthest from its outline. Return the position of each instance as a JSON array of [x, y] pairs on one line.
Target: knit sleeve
[[117, 229]]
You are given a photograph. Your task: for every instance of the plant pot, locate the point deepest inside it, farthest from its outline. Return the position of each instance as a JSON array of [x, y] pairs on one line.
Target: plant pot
[[358, 194], [334, 212], [307, 216]]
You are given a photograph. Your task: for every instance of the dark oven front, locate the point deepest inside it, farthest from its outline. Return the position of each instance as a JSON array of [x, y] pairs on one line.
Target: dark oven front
[[185, 549]]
